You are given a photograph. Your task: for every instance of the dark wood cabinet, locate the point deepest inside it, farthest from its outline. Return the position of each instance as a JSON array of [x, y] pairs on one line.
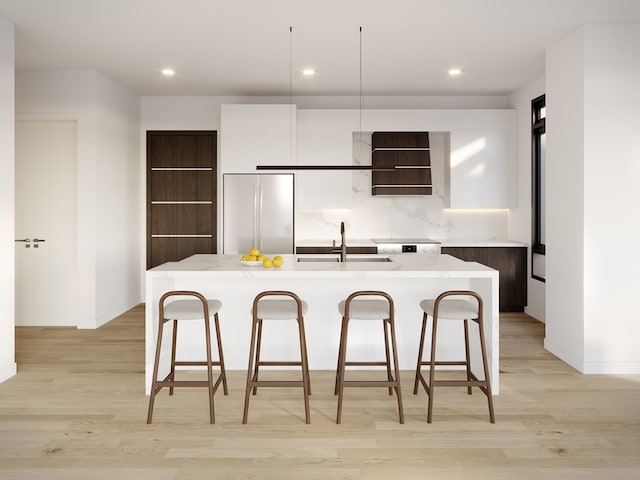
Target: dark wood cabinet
[[402, 163], [511, 262], [181, 195], [311, 250]]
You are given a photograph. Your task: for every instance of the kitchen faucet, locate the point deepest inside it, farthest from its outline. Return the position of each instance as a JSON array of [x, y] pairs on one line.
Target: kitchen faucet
[[343, 245]]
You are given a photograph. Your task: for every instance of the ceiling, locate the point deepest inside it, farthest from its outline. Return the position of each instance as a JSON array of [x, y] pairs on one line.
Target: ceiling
[[244, 47]]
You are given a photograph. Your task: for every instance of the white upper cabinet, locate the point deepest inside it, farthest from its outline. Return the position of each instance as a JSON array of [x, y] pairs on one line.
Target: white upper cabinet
[[254, 135], [325, 137], [482, 160]]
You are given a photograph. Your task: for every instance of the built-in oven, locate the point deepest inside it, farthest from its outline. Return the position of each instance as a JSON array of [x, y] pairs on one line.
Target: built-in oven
[[407, 245]]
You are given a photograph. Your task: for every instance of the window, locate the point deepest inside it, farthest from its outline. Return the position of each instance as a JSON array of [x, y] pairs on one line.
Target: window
[[538, 154]]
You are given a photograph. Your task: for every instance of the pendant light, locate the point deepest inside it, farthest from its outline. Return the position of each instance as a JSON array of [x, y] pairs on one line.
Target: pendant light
[[361, 107]]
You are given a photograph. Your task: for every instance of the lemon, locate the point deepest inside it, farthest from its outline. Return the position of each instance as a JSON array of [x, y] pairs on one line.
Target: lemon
[[260, 257], [277, 261], [254, 251], [266, 263], [246, 258]]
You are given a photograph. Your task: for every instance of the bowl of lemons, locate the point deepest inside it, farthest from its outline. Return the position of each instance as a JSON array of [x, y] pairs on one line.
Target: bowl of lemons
[[255, 259]]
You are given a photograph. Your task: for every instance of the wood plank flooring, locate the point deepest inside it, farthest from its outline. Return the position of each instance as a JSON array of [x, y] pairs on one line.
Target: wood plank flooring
[[77, 410]]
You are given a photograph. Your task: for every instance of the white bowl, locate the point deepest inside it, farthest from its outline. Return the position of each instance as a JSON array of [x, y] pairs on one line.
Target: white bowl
[[254, 263]]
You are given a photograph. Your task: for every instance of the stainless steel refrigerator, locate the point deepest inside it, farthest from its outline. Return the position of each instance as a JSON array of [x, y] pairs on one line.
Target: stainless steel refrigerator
[[258, 211]]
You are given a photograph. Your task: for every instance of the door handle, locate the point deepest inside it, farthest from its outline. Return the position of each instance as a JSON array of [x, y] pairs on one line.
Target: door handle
[[38, 240], [26, 241]]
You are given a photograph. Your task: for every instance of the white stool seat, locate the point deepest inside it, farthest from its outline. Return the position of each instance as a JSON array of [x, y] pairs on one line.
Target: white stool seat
[[366, 309], [456, 309], [190, 309], [280, 309]]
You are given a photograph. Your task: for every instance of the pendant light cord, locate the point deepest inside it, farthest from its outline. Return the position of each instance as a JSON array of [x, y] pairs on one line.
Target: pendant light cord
[[361, 102], [361, 94], [290, 94]]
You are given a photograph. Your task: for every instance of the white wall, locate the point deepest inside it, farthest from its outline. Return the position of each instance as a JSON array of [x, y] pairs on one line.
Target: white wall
[[7, 200], [592, 179], [118, 253], [564, 182], [612, 177], [519, 218], [109, 183]]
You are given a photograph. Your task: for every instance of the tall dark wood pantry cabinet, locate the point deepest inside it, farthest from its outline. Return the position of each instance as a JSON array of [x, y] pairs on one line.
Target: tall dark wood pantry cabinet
[[181, 195]]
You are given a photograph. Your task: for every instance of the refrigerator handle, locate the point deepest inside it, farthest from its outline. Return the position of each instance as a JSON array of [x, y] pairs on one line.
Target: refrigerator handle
[[257, 218], [256, 213]]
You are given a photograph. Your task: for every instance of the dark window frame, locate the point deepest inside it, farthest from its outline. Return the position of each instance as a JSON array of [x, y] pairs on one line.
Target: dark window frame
[[538, 128]]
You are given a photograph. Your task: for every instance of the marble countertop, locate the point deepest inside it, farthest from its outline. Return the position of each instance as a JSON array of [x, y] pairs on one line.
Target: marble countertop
[[451, 242], [351, 242], [414, 265], [476, 242]]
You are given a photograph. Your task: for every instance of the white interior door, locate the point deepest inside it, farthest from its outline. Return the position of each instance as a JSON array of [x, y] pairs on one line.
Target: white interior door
[[46, 206]]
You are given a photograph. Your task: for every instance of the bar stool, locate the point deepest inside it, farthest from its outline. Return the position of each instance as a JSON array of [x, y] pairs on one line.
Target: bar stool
[[355, 308], [182, 310], [453, 309], [291, 308]]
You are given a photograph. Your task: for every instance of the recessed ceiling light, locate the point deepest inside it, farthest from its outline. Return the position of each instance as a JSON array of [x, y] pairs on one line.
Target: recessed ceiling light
[[168, 72], [308, 72], [454, 72]]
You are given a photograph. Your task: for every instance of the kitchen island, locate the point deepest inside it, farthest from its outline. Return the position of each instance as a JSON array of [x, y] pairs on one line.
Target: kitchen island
[[322, 284]]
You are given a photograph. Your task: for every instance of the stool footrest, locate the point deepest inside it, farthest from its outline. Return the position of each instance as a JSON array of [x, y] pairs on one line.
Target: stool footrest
[[276, 383], [188, 383], [459, 383], [370, 383], [444, 362], [279, 364], [197, 363], [365, 364]]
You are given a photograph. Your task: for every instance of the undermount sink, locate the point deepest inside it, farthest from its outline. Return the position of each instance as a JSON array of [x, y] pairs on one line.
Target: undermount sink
[[319, 259], [349, 259]]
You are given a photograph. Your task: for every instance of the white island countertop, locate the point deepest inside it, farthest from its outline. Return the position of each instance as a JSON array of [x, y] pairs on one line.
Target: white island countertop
[[407, 265], [408, 278]]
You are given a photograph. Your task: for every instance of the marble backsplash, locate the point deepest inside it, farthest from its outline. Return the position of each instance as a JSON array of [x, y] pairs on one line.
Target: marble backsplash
[[396, 217]]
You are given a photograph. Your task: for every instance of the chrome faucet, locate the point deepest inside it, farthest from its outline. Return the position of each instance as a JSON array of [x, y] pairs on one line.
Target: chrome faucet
[[343, 245]]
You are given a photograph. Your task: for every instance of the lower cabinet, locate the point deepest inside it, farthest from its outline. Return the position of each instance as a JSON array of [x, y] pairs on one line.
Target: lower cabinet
[[311, 250], [511, 262]]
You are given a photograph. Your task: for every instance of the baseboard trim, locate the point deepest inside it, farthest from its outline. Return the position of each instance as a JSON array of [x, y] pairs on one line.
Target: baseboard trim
[[92, 324], [9, 371]]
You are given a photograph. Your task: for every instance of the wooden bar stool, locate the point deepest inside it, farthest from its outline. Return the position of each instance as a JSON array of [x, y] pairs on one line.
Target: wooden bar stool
[[453, 309], [199, 308], [287, 307], [367, 308]]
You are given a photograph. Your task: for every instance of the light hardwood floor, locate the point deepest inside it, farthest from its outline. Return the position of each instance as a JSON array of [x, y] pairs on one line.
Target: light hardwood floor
[[77, 411]]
